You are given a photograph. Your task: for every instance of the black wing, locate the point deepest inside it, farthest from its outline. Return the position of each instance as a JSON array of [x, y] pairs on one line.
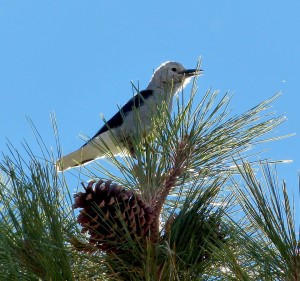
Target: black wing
[[117, 119]]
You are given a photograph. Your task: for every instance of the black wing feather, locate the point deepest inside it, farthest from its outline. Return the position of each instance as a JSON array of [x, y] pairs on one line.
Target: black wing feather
[[117, 119]]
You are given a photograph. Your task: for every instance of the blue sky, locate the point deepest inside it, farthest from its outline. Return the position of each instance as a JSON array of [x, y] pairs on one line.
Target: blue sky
[[77, 58]]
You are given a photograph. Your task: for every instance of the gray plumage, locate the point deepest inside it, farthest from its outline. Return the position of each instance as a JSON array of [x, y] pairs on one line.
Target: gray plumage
[[170, 75]]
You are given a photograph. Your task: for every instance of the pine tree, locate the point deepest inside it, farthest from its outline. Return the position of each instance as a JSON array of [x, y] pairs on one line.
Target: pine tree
[[186, 205]]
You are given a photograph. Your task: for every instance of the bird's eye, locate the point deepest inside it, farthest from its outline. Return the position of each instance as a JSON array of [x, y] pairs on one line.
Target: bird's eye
[[174, 69]]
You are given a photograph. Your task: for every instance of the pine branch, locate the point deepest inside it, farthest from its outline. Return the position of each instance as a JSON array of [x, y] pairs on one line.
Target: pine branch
[[269, 211], [161, 215], [179, 161]]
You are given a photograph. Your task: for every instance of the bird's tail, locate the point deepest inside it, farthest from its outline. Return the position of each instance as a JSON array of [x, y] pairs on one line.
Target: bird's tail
[[79, 157], [96, 148]]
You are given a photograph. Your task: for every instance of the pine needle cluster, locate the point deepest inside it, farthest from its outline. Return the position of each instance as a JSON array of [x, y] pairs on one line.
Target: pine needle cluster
[[185, 205]]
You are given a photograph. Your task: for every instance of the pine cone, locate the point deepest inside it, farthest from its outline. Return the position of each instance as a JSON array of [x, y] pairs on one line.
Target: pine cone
[[110, 213]]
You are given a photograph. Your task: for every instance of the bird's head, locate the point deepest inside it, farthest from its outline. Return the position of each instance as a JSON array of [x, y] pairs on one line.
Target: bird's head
[[172, 75]]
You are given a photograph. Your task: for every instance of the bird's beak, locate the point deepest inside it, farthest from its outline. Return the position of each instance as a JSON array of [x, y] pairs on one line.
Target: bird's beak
[[191, 72]]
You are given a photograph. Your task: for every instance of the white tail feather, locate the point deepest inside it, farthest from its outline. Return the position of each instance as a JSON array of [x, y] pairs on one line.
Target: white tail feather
[[94, 149]]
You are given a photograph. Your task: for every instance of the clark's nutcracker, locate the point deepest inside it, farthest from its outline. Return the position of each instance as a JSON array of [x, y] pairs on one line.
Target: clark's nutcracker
[[167, 80]]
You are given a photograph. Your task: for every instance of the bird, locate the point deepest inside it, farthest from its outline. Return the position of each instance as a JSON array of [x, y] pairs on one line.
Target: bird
[[167, 81]]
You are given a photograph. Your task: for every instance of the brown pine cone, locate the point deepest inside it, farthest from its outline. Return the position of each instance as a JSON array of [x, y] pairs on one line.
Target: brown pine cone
[[110, 213]]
